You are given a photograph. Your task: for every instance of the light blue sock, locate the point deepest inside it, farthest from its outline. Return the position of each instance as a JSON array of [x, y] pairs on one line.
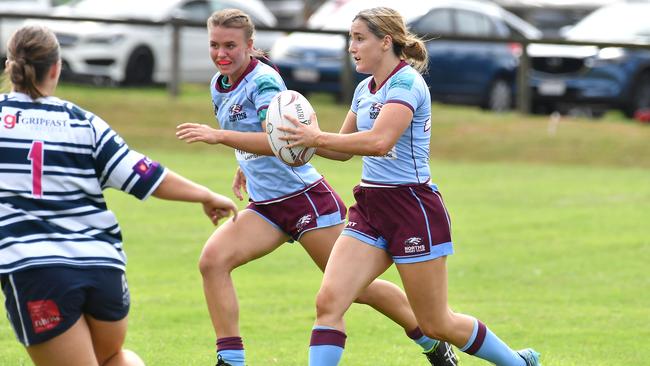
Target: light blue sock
[[422, 340], [486, 345], [235, 357], [326, 346]]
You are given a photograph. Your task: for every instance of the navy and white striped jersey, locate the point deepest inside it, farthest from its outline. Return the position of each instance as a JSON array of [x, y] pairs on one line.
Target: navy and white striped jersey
[[408, 160], [55, 161]]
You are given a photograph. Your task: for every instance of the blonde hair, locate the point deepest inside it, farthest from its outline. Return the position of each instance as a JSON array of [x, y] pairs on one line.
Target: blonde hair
[[235, 18], [31, 52], [383, 21]]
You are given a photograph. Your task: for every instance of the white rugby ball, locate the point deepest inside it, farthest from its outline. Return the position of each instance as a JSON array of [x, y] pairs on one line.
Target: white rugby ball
[[290, 103]]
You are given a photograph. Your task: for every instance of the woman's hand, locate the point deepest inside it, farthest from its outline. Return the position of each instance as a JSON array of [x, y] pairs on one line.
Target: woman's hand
[[195, 132], [301, 134], [239, 184], [217, 206]]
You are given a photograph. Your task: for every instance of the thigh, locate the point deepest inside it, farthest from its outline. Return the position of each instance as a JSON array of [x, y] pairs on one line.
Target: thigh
[[318, 243], [72, 348], [352, 266], [107, 337], [425, 284], [239, 241]]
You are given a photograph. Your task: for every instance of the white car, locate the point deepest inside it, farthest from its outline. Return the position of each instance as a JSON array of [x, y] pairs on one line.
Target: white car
[[139, 54], [9, 25]]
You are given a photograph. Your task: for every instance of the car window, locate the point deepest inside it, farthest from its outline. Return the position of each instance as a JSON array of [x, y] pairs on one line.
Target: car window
[[438, 21], [197, 11], [473, 24]]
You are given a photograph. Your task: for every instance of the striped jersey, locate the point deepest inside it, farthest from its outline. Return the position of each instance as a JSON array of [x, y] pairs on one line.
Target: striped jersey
[[238, 108], [408, 160], [55, 161]]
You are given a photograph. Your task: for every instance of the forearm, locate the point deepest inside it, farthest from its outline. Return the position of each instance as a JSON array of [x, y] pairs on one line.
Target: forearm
[[252, 142], [177, 188], [366, 143], [333, 155]]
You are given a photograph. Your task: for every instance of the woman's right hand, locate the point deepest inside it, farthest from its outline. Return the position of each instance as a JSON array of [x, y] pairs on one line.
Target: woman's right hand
[[239, 184], [219, 206], [196, 132]]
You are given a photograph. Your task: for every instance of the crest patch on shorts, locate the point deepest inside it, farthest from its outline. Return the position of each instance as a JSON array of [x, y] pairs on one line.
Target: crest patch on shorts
[[45, 315]]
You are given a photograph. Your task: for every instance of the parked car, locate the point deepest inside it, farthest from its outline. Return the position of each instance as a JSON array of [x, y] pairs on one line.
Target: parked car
[[459, 72], [136, 54], [9, 25], [473, 73], [566, 77]]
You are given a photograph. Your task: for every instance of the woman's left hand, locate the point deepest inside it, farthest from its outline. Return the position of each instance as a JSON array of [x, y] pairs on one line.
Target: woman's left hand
[[195, 132], [301, 134]]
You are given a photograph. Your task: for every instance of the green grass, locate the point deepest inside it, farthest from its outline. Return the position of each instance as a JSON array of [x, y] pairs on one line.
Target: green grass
[[551, 235]]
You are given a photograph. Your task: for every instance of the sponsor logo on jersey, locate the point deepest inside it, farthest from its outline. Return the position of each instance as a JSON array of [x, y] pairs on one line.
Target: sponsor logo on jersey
[[236, 112], [303, 221], [413, 245], [145, 167], [375, 108], [45, 315], [9, 121]]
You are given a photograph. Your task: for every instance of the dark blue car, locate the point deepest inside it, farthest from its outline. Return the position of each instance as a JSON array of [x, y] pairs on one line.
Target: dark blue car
[[471, 73], [593, 79]]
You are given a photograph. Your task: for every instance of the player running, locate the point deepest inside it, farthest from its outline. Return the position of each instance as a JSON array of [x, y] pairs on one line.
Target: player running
[[389, 124], [294, 204]]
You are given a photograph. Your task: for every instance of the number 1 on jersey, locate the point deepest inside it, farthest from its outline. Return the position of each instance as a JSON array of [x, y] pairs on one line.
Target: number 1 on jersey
[[36, 156]]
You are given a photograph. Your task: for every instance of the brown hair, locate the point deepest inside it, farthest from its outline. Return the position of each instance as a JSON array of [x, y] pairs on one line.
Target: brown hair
[[235, 18], [383, 21], [31, 52]]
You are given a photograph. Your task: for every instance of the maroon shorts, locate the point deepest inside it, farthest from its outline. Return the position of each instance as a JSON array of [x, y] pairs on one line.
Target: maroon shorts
[[316, 207], [410, 222]]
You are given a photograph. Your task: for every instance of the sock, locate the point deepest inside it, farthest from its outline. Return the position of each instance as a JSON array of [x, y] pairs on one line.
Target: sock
[[326, 346], [231, 349], [423, 341], [486, 345]]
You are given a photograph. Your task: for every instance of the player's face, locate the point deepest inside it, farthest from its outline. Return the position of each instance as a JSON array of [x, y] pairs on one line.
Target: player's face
[[230, 51], [366, 49]]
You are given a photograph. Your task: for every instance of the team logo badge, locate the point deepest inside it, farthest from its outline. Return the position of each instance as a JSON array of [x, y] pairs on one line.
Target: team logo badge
[[236, 113], [413, 245], [303, 221], [375, 108]]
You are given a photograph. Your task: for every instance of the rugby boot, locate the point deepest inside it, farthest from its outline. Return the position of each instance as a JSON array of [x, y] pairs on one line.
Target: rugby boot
[[221, 362], [442, 355], [530, 356]]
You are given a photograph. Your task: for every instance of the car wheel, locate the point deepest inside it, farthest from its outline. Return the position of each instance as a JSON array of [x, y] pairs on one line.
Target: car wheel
[[139, 68], [640, 98], [499, 96]]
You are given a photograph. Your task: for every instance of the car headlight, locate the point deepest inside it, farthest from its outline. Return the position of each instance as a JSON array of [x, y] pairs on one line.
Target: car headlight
[[105, 39], [607, 55]]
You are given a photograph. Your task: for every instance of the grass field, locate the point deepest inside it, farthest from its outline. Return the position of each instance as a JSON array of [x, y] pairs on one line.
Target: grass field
[[551, 231]]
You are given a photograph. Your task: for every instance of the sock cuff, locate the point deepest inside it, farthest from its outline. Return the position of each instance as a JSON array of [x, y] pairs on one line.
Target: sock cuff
[[476, 340], [327, 337], [229, 343], [415, 334]]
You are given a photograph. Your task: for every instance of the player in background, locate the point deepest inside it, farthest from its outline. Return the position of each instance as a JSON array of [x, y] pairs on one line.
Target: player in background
[[61, 258], [295, 204], [389, 125]]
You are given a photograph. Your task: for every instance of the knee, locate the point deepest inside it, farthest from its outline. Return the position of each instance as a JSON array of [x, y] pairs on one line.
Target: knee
[[437, 328], [214, 260], [326, 303]]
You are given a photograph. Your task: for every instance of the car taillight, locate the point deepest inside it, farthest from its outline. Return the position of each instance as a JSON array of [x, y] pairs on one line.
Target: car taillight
[[515, 49]]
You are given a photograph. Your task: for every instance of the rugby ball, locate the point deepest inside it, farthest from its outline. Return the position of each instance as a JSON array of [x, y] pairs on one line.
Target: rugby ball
[[290, 103]]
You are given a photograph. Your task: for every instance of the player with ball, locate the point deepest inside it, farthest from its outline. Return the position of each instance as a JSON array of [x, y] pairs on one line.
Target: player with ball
[[399, 216], [286, 203]]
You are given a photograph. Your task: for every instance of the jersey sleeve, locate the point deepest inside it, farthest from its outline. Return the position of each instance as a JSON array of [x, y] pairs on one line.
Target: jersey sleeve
[[121, 168], [403, 89], [265, 88]]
